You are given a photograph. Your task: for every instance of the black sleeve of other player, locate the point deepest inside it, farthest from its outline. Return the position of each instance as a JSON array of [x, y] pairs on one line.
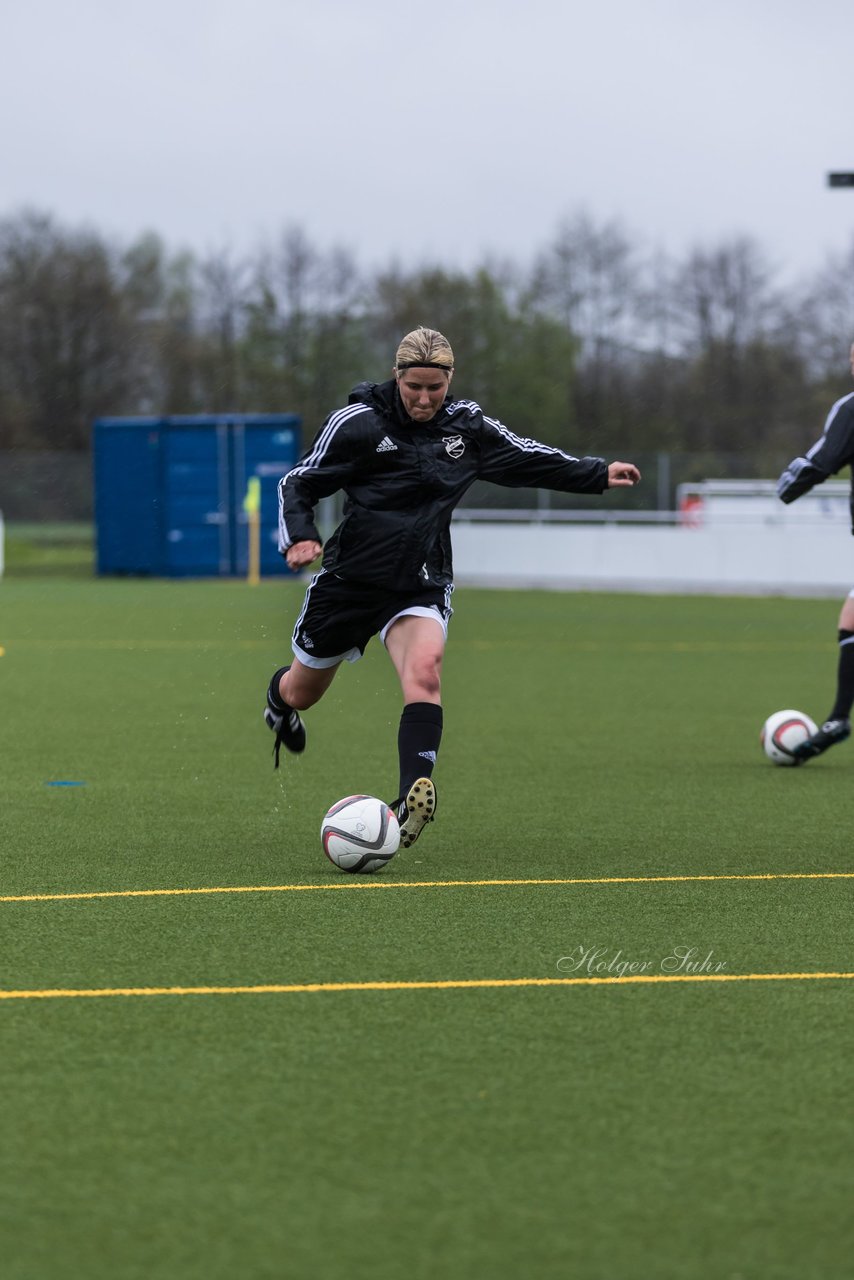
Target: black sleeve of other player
[[833, 450]]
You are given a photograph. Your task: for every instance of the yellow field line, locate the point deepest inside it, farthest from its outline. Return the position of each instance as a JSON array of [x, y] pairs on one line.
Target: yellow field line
[[61, 993], [417, 884]]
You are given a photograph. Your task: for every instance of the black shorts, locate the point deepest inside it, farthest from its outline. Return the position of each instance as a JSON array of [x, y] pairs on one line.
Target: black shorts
[[338, 617]]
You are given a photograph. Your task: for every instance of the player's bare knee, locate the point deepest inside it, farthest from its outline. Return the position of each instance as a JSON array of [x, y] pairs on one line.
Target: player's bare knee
[[424, 680], [426, 691]]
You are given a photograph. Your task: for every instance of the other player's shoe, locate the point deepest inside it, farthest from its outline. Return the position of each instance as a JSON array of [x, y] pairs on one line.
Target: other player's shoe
[[415, 810], [285, 724], [831, 732]]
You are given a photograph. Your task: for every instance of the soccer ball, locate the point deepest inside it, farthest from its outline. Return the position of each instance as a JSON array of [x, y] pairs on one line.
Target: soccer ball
[[360, 834], [784, 731]]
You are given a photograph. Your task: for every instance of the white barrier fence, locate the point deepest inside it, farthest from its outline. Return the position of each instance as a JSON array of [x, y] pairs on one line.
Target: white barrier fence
[[729, 537], [744, 559]]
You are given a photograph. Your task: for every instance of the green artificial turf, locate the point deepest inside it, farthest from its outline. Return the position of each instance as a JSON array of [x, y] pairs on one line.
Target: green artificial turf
[[620, 1131], [45, 550]]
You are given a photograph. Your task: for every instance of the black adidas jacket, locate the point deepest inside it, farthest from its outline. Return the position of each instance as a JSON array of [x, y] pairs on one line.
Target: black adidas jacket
[[830, 453], [404, 479]]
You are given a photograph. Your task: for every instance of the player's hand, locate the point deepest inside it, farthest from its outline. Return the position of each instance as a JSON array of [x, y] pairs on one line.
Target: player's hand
[[621, 474], [299, 554]]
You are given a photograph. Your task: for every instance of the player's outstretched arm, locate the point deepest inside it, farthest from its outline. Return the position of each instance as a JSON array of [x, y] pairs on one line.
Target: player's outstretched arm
[[622, 474]]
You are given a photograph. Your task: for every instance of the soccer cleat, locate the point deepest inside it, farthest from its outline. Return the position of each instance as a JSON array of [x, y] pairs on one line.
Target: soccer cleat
[[285, 724], [831, 732], [415, 810], [288, 728]]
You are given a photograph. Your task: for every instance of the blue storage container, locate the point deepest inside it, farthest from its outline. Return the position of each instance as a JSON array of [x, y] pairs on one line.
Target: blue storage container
[[169, 492]]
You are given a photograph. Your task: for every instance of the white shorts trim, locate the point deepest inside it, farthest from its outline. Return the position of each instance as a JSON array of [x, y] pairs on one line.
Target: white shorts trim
[[418, 611], [322, 664]]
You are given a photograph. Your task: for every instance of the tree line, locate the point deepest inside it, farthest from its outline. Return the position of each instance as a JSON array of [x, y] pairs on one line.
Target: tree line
[[594, 344]]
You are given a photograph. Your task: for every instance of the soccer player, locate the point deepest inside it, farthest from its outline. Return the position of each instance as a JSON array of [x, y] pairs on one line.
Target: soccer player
[[833, 450], [404, 452]]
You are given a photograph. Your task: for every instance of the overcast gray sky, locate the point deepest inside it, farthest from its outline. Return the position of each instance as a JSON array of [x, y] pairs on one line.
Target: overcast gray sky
[[439, 132]]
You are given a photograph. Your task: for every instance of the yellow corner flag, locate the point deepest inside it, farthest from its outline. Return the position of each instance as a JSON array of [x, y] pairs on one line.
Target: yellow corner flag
[[252, 501], [252, 507]]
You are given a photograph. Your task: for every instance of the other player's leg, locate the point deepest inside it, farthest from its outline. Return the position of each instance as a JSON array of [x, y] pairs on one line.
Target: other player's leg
[[837, 726]]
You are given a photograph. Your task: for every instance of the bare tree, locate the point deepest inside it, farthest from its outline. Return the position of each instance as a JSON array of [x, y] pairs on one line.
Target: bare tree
[[65, 338], [825, 314], [744, 379], [724, 297], [590, 279], [223, 295]]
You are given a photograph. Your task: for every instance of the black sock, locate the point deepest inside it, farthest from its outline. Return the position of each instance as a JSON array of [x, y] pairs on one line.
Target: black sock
[[418, 741], [845, 678], [274, 698]]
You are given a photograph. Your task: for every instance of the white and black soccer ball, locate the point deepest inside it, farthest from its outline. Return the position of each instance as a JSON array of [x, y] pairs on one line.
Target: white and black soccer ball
[[360, 834], [784, 731]]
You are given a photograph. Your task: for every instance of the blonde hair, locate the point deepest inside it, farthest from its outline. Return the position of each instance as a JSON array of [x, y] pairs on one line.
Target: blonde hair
[[424, 348]]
